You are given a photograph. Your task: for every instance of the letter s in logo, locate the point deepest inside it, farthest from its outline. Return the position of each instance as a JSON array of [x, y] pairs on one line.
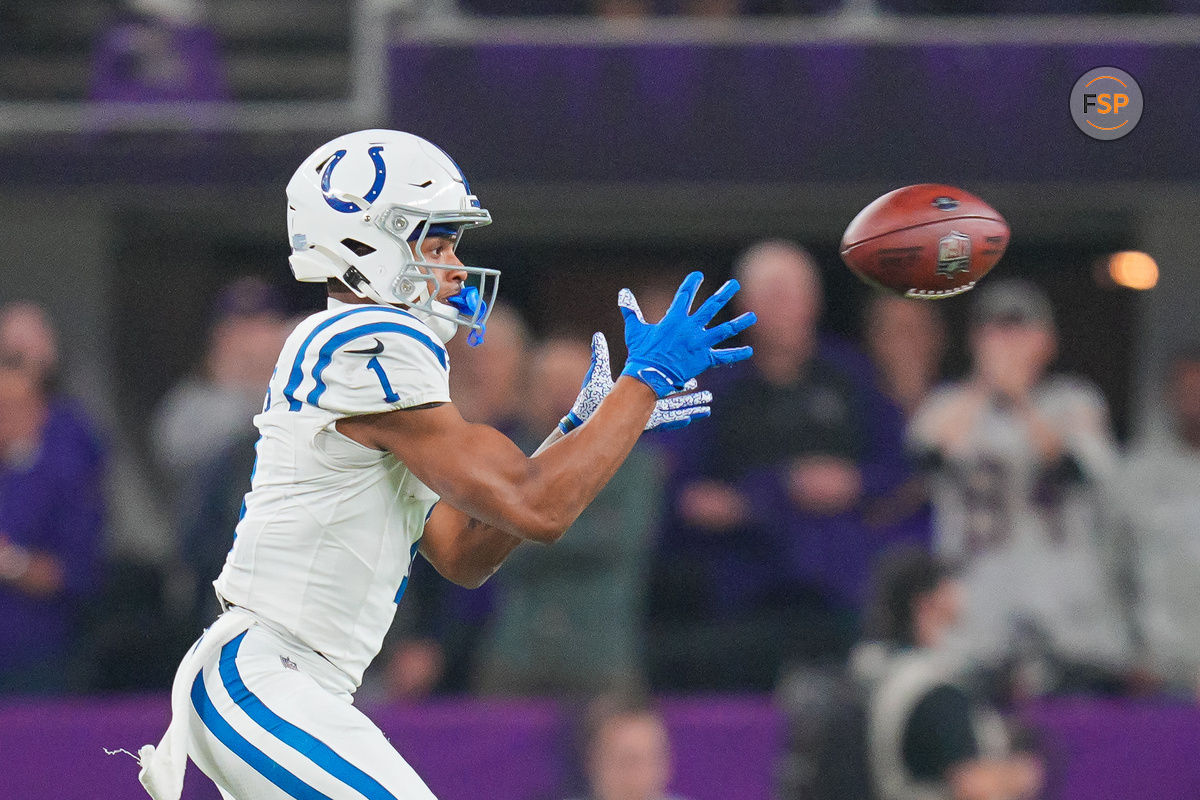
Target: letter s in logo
[[349, 207]]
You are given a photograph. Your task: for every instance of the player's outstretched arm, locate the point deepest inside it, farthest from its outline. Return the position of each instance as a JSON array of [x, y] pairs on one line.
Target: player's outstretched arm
[[467, 551], [480, 473]]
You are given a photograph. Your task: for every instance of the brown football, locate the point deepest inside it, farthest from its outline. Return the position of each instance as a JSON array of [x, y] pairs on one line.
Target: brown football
[[926, 241]]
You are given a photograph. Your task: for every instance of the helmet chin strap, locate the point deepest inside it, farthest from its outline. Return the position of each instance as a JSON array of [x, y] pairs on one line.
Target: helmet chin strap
[[358, 283], [443, 328]]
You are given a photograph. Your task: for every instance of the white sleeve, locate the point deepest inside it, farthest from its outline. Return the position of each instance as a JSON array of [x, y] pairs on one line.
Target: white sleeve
[[378, 368], [1080, 414]]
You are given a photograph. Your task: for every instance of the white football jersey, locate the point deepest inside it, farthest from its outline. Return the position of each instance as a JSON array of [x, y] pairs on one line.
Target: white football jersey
[[330, 527]]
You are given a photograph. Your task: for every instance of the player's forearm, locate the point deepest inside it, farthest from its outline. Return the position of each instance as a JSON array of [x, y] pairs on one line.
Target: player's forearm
[[474, 550], [566, 477], [481, 472], [463, 549]]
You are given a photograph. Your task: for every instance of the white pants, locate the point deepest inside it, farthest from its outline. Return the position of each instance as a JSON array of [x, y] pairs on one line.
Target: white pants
[[270, 719]]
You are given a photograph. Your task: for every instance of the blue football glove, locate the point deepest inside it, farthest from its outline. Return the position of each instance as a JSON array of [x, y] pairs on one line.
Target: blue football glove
[[664, 356], [671, 412]]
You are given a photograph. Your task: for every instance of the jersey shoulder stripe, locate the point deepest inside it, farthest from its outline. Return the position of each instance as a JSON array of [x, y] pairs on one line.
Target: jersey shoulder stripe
[[296, 375], [325, 355]]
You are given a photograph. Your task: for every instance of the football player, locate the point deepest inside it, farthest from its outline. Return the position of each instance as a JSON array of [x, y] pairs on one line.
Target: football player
[[363, 461]]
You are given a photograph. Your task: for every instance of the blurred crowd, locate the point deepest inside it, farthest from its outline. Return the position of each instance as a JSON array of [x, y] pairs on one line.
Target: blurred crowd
[[732, 8], [171, 51], [898, 556]]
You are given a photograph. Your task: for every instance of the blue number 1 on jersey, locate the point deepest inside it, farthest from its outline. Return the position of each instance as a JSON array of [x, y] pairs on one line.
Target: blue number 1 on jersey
[[388, 395]]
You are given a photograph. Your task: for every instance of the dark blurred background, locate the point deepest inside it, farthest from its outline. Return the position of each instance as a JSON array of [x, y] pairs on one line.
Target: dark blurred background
[[144, 149]]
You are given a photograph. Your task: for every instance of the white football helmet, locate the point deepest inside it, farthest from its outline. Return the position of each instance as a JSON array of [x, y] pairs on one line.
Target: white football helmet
[[356, 204]]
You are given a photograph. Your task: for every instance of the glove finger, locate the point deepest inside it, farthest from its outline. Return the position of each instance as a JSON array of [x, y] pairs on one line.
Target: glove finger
[[731, 328], [714, 304], [600, 359], [591, 370], [685, 295], [671, 420], [676, 401], [629, 306], [662, 416], [682, 419], [731, 355], [671, 401], [695, 399]]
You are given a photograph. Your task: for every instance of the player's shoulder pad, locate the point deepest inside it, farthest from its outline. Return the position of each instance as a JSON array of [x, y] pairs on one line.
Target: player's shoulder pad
[[387, 332], [362, 348]]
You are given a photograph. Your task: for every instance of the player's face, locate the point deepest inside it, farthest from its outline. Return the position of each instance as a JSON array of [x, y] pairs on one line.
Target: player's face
[[440, 250]]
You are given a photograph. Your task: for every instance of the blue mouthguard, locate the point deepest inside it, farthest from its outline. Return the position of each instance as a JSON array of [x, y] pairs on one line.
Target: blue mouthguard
[[467, 302]]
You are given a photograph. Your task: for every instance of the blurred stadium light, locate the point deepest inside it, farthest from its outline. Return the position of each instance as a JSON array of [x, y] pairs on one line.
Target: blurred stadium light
[[1133, 269]]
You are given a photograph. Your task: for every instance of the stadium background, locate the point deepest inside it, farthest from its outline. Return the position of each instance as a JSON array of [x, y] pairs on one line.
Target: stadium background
[[607, 150]]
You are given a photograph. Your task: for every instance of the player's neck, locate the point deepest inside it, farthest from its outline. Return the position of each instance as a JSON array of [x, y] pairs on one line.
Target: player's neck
[[347, 296]]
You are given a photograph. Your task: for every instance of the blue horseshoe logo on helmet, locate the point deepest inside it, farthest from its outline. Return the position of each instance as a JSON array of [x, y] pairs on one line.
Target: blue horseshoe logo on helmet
[[349, 207]]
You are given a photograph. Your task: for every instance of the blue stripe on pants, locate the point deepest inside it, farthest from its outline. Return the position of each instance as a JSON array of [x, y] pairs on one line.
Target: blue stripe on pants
[[301, 741], [256, 758]]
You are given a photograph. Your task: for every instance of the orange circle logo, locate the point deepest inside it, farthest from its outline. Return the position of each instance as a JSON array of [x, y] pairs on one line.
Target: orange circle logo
[[1106, 103]]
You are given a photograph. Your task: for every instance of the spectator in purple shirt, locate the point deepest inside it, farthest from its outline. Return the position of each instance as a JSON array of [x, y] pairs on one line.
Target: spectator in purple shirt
[[51, 507], [769, 550]]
